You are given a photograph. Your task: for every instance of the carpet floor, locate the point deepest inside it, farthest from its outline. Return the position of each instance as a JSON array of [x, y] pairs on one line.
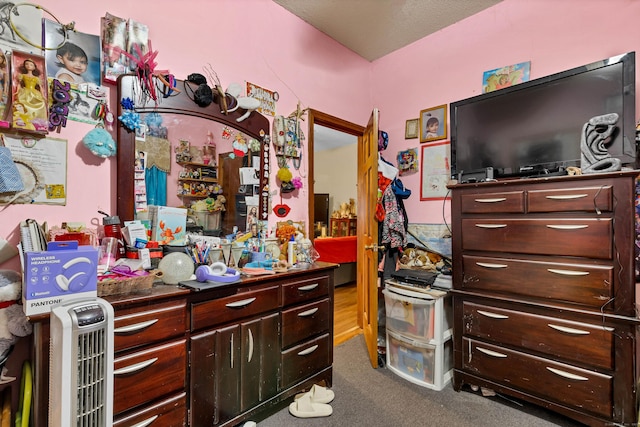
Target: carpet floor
[[378, 397]]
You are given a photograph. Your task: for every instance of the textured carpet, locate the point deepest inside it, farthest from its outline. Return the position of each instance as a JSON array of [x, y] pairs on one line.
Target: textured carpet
[[379, 397]]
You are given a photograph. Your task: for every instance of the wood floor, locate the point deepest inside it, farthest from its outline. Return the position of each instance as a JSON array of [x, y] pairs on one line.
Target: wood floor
[[345, 315]]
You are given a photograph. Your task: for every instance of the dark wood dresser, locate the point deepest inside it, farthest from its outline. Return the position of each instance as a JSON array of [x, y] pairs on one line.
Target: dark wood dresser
[[545, 294], [214, 357]]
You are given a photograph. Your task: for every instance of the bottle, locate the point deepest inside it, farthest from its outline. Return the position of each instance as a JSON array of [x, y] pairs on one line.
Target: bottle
[[112, 228], [292, 249]]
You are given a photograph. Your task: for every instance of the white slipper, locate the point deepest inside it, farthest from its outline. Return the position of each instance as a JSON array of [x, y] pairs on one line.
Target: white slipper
[[318, 394], [305, 408]]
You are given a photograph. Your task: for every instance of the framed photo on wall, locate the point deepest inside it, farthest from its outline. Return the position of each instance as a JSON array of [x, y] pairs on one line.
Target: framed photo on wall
[[433, 124], [435, 171], [412, 128]]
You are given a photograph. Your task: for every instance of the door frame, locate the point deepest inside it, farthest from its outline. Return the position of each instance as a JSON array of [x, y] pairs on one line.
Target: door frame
[[332, 122]]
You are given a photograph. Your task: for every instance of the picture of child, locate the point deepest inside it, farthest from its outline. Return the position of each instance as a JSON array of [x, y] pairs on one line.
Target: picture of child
[[75, 59], [432, 127], [73, 62]]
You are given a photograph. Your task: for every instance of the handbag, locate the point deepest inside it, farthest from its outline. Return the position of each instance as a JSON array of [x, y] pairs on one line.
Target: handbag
[[10, 179]]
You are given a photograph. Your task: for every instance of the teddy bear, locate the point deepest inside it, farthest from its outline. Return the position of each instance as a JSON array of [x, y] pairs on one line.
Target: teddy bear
[[218, 205], [13, 322]]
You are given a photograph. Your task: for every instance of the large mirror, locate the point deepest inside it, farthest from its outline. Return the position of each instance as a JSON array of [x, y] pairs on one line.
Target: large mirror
[[178, 141]]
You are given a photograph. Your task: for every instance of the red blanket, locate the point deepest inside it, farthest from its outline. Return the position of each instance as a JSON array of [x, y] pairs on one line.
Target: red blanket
[[339, 250]]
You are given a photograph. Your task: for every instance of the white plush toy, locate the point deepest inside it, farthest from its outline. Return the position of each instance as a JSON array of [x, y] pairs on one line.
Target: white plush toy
[[13, 322], [246, 102]]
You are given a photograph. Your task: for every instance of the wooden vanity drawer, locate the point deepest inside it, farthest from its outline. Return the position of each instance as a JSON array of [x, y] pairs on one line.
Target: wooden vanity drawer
[[169, 412], [305, 359], [569, 385], [587, 237], [586, 284], [209, 313], [301, 322], [148, 374], [572, 341], [140, 326], [305, 290], [507, 202], [589, 199]]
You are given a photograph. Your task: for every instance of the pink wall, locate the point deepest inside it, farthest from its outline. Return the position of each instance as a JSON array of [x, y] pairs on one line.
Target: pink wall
[[258, 41], [555, 35], [248, 40]]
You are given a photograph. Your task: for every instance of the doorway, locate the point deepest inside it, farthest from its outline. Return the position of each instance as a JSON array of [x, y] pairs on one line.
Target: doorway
[[324, 129]]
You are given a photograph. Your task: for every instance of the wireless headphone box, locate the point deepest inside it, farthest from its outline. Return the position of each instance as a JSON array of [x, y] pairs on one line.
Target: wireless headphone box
[[63, 272]]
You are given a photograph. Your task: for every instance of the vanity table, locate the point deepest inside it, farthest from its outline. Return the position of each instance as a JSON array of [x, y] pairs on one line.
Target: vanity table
[[214, 357]]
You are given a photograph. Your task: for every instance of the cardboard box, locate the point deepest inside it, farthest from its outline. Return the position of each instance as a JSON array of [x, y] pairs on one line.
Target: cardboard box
[[64, 272]]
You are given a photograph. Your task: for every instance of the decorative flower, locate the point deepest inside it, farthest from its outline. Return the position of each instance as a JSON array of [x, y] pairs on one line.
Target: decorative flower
[[127, 103], [130, 119], [297, 182]]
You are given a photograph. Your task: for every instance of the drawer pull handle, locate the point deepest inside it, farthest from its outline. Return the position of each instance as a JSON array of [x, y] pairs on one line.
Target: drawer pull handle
[[495, 200], [491, 225], [572, 331], [136, 367], [492, 315], [308, 312], [146, 422], [566, 227], [135, 327], [568, 375], [567, 196], [491, 265], [241, 303], [308, 287], [308, 350], [250, 355], [491, 352], [568, 272], [231, 351]]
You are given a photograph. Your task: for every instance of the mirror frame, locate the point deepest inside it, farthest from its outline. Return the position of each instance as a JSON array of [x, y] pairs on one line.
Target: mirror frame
[[255, 126]]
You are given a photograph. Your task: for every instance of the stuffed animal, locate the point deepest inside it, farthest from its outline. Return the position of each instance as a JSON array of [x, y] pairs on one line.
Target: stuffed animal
[[218, 205], [13, 322], [100, 142]]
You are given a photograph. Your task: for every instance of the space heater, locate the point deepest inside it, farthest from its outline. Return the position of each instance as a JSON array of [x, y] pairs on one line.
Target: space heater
[[81, 364]]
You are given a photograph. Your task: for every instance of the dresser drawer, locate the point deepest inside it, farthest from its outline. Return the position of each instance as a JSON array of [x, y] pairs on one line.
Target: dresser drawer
[[143, 376], [585, 284], [305, 290], [136, 326], [227, 309], [305, 359], [587, 237], [299, 323], [569, 385], [169, 412], [507, 202], [572, 341], [589, 199]]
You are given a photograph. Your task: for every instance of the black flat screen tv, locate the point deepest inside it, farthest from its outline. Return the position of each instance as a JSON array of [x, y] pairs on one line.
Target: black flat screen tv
[[534, 128]]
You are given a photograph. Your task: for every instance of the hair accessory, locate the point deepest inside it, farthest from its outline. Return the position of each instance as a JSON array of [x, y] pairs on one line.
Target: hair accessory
[[383, 140], [197, 78], [64, 28], [130, 119], [127, 103]]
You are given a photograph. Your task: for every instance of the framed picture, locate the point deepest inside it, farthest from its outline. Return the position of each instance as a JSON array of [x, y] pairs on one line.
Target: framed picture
[[411, 129], [433, 124], [505, 76], [435, 171]]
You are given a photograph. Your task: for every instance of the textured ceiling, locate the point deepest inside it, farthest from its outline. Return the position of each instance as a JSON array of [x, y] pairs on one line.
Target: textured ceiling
[[375, 28]]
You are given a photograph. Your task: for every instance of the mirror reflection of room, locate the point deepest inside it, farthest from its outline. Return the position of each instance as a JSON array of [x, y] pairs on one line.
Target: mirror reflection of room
[[205, 166]]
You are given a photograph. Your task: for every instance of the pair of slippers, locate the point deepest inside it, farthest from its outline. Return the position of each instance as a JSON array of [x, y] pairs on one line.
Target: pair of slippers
[[313, 403]]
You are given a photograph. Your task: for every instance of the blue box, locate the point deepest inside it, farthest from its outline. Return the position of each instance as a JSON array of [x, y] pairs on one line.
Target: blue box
[[63, 272]]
